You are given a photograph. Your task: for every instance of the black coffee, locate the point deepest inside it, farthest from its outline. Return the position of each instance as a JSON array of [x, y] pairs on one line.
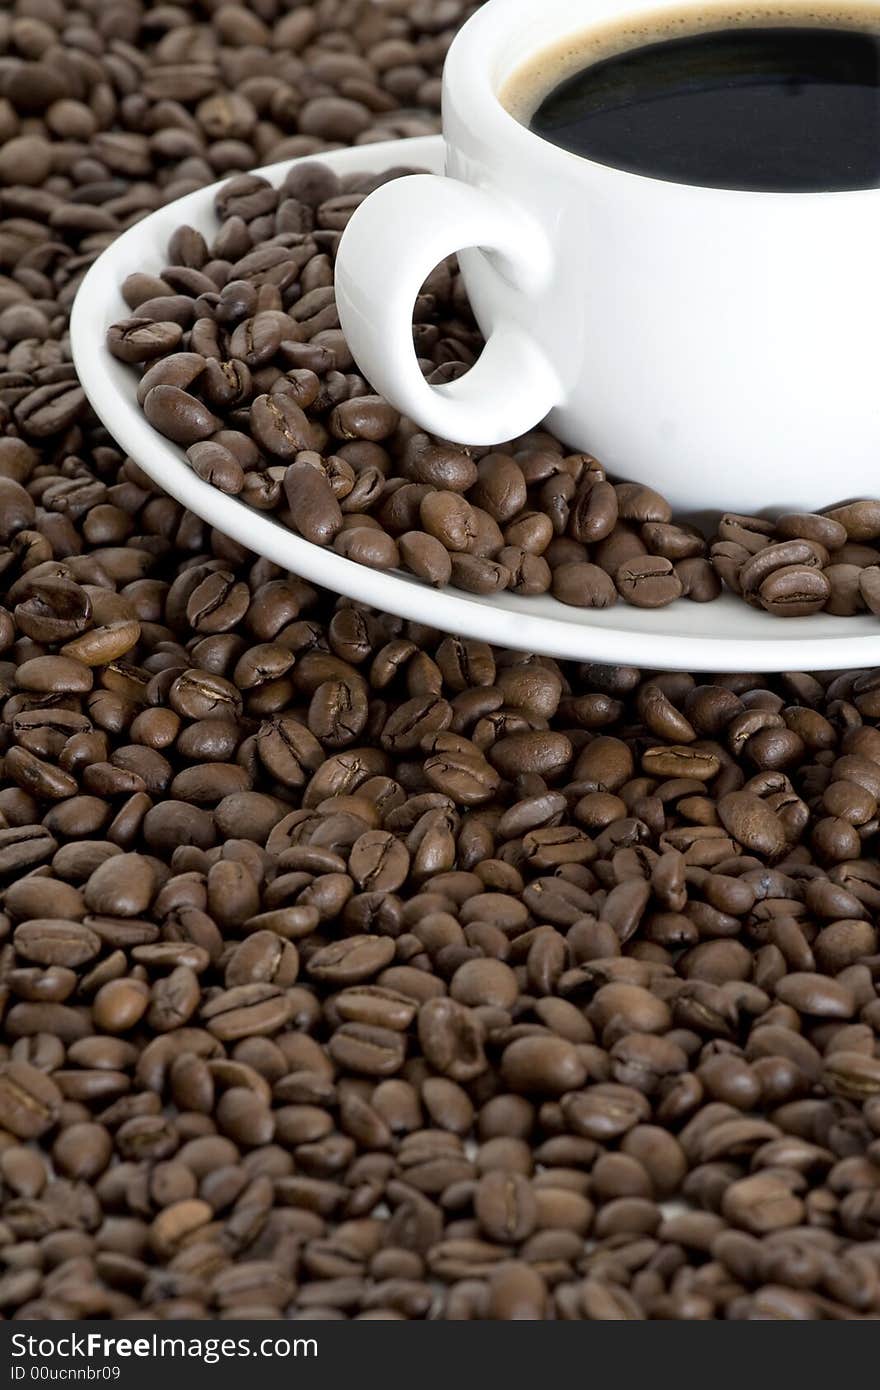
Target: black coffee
[[789, 109]]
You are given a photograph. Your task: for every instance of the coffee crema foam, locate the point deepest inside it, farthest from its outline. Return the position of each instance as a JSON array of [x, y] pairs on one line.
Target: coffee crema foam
[[525, 88]]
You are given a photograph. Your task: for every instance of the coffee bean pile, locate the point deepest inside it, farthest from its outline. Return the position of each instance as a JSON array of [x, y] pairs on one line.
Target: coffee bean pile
[[803, 563], [109, 111], [355, 971], [244, 365], [351, 970]]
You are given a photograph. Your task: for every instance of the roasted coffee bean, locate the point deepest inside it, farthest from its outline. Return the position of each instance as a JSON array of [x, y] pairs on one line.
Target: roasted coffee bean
[[794, 591], [648, 582], [869, 587], [178, 415], [583, 586], [368, 546], [55, 610], [51, 941], [279, 426], [246, 1011], [543, 1065], [753, 823], [30, 1102], [506, 1207], [762, 1203], [485, 981], [352, 960], [479, 576], [851, 1075], [426, 557], [368, 1050], [860, 520], [378, 861], [217, 465], [122, 886], [451, 1037], [313, 505], [142, 339]]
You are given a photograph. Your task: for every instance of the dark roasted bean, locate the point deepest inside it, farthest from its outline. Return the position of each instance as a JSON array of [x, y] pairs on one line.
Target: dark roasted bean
[[178, 415]]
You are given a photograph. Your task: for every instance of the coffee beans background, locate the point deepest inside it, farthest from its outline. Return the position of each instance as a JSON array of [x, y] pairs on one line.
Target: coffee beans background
[[349, 969]]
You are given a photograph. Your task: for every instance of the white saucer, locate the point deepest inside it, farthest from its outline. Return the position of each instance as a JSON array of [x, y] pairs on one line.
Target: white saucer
[[723, 636]]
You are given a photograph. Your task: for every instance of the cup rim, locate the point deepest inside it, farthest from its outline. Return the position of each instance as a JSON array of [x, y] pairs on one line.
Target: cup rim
[[468, 88]]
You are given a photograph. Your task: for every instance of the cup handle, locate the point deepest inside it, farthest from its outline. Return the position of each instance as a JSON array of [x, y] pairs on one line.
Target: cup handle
[[392, 243]]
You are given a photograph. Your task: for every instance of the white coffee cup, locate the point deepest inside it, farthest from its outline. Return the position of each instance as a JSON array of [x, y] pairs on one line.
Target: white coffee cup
[[719, 345]]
